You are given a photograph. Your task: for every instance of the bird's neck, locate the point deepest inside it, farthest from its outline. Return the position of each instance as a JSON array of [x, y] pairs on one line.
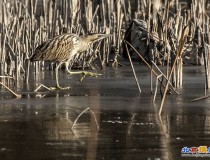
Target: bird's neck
[[89, 38]]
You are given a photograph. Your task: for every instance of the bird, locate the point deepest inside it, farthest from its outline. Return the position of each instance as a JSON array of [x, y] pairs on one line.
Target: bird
[[63, 48]]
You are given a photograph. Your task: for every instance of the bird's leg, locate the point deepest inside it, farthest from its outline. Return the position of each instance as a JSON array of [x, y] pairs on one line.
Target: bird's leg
[[84, 73], [57, 87]]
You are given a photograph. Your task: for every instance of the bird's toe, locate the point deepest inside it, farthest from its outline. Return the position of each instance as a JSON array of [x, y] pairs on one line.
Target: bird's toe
[[59, 88]]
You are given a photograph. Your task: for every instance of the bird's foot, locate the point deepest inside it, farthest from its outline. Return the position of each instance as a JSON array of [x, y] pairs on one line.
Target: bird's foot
[[85, 73], [92, 74], [57, 87]]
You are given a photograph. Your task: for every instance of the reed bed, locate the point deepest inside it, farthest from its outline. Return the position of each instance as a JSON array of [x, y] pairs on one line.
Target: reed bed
[[24, 24], [178, 33]]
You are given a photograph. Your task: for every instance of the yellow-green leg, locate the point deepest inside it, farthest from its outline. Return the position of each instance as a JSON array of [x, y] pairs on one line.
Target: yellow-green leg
[[57, 87], [84, 73]]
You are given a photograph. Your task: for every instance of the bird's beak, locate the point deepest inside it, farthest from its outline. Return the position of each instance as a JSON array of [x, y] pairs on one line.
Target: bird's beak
[[102, 36]]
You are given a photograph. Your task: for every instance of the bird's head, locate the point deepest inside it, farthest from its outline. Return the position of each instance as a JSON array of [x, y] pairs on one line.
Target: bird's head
[[96, 36]]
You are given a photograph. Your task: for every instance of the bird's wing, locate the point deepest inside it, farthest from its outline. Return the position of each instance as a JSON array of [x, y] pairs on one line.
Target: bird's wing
[[55, 49]]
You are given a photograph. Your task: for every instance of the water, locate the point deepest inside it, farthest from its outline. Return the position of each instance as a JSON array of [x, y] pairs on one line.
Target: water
[[129, 127]]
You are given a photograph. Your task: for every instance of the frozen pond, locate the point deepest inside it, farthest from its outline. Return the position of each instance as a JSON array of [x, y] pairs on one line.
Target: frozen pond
[[129, 126]]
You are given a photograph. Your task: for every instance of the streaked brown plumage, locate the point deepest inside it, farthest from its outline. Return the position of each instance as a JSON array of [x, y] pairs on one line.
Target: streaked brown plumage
[[63, 48]]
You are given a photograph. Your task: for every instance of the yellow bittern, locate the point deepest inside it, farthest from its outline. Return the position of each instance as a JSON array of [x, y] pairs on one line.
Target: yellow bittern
[[63, 48]]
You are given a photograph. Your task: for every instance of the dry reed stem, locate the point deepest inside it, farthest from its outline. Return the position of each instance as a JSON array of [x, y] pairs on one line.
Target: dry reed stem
[[10, 77], [11, 91], [155, 93], [201, 98], [134, 73], [95, 119], [206, 63], [185, 32], [161, 73], [149, 66]]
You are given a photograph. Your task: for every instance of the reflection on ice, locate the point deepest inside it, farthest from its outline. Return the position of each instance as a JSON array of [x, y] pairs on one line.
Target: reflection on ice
[[129, 126]]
